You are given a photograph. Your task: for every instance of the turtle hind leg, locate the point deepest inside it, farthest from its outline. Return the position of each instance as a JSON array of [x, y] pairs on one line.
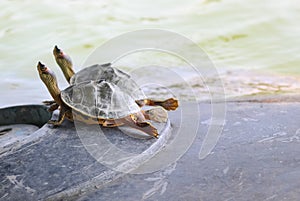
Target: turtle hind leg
[[143, 126], [142, 102], [169, 104], [157, 114], [147, 128], [110, 123], [132, 122]]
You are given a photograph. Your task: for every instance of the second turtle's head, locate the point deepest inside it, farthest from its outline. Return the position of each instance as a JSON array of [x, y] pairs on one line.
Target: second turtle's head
[[64, 62], [49, 79], [46, 75]]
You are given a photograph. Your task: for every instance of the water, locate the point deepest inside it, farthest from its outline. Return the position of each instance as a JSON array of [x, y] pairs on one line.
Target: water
[[253, 44]]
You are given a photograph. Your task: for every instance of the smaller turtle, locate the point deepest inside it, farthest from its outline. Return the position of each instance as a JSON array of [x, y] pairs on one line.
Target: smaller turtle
[[110, 74], [95, 102]]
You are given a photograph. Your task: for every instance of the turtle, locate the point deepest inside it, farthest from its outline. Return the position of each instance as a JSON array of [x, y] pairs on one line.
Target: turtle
[[114, 75], [95, 102]]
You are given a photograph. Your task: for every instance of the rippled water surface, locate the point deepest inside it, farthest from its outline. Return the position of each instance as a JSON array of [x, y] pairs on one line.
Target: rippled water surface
[[254, 44]]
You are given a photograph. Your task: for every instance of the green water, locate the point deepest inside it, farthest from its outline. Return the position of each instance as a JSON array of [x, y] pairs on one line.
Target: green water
[[254, 44]]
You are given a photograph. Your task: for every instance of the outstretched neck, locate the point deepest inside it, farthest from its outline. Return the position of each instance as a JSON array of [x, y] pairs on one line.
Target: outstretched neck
[[51, 84], [55, 93], [68, 73], [66, 66], [49, 79]]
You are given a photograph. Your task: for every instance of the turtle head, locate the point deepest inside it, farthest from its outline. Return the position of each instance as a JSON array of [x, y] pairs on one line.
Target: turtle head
[[64, 62], [49, 79], [46, 75], [58, 53]]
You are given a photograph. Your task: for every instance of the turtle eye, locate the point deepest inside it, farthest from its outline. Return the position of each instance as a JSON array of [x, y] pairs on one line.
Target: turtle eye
[[60, 54], [42, 67]]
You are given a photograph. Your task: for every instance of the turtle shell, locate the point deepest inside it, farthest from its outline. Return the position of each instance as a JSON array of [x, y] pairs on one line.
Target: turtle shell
[[111, 75], [99, 99]]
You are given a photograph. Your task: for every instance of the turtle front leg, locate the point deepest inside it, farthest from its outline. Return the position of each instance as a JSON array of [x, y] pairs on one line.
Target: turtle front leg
[[53, 105], [134, 122], [169, 104], [61, 118]]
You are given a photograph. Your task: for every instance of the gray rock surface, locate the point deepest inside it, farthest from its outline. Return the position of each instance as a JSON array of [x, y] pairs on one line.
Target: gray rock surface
[[14, 136], [256, 158], [54, 163]]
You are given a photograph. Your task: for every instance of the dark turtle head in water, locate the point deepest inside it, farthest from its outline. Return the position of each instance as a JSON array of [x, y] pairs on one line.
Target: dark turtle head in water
[[64, 61]]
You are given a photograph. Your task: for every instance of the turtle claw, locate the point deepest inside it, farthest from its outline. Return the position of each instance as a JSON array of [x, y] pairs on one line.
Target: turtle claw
[[54, 122], [61, 118], [48, 102], [170, 104], [156, 135]]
